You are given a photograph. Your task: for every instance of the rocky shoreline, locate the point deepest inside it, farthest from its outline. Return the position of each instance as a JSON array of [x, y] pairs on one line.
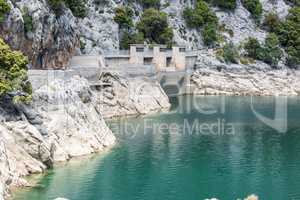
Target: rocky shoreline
[[66, 120], [213, 77]]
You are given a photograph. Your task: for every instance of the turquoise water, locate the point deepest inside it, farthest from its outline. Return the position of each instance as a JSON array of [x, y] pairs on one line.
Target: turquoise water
[[229, 155]]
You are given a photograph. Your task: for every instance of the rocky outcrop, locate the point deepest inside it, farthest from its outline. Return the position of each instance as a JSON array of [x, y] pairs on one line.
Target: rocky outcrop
[[121, 96], [49, 39], [63, 122], [238, 21], [53, 39], [212, 77], [66, 120], [98, 31]]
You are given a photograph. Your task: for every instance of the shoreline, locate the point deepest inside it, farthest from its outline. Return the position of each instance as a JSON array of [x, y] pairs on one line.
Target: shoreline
[[52, 132], [33, 179]]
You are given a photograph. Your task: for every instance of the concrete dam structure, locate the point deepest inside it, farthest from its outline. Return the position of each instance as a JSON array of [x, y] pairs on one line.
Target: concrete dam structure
[[171, 67]]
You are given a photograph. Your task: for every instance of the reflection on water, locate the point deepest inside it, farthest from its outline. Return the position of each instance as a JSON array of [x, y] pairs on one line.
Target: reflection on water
[[153, 161]]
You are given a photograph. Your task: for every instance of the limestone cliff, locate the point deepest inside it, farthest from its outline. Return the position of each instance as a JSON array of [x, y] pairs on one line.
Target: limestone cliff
[[49, 42], [66, 120], [213, 77], [53, 39]]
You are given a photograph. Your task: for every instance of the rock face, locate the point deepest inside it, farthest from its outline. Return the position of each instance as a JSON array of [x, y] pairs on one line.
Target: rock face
[[74, 124], [65, 120], [51, 40], [213, 77], [120, 96], [62, 123], [99, 32]]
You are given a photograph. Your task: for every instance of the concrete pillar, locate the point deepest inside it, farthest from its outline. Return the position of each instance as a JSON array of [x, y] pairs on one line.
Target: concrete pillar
[[159, 58], [178, 58], [135, 56]]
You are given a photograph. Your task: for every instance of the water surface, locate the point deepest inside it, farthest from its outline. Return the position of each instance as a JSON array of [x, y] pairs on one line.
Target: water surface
[[229, 155]]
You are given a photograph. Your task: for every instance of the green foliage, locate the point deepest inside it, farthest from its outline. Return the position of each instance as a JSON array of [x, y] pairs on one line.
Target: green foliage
[[150, 4], [155, 28], [192, 19], [253, 48], [123, 16], [225, 4], [269, 53], [28, 25], [272, 52], [130, 38], [230, 53], [13, 74], [271, 22], [4, 9], [78, 7], [294, 2], [82, 45], [209, 34], [200, 15], [56, 5], [289, 36], [254, 7]]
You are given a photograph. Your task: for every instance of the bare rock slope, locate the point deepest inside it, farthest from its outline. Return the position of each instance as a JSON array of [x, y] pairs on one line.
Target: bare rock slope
[[212, 77]]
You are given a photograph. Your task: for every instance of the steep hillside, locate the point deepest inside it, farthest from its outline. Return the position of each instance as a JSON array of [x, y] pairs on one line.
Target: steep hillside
[[50, 33]]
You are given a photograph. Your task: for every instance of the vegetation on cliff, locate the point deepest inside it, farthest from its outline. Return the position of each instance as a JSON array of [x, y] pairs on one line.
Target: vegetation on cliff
[[123, 17], [78, 7], [254, 7], [271, 22], [289, 36], [224, 4], [202, 17], [269, 52], [150, 4], [4, 9], [155, 27], [13, 74]]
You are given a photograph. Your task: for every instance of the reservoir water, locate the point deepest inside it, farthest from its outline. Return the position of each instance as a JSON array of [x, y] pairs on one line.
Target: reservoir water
[[205, 147]]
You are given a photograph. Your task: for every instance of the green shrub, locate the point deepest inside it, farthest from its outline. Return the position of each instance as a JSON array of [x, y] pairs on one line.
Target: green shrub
[[271, 51], [293, 59], [13, 74], [56, 6], [192, 19], [28, 25], [78, 7], [230, 53], [198, 16], [225, 4], [209, 34], [155, 28], [150, 4], [253, 48], [294, 2], [123, 16], [82, 45], [254, 7], [202, 17], [130, 38], [4, 9], [271, 22], [289, 34]]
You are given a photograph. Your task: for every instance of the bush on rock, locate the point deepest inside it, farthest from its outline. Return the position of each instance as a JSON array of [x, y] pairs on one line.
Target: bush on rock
[[4, 9], [13, 74]]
